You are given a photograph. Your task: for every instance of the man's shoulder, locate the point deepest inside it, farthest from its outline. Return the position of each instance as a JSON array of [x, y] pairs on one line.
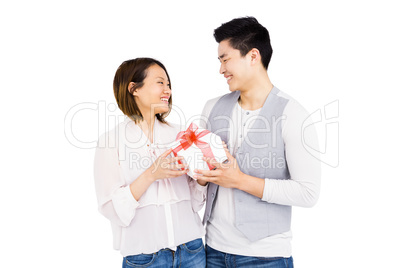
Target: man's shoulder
[[284, 95], [206, 111], [295, 113], [213, 101], [210, 104], [293, 106]]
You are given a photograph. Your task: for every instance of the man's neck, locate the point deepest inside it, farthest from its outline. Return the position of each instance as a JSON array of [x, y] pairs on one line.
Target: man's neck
[[254, 96]]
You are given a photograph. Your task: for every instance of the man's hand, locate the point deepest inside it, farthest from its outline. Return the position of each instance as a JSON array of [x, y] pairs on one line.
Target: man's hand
[[226, 174], [229, 175]]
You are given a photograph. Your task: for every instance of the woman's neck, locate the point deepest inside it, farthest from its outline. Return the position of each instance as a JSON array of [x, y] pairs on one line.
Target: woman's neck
[[147, 126]]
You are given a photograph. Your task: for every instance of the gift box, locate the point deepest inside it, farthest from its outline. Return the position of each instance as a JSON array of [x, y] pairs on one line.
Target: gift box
[[195, 143]]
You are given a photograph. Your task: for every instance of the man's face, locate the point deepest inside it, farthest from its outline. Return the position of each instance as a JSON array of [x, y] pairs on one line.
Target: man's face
[[234, 67]]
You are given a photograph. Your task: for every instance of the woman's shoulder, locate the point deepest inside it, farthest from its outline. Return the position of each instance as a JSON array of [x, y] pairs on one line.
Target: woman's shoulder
[[111, 136], [172, 126], [107, 138], [167, 132]]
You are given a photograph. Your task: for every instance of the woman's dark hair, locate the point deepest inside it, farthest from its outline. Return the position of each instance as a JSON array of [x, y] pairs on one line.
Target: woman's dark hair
[[135, 71], [245, 34]]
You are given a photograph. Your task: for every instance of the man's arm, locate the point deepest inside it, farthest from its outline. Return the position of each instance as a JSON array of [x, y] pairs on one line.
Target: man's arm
[[302, 189]]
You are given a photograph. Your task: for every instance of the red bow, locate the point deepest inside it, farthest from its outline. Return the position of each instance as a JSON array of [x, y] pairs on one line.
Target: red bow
[[188, 137]]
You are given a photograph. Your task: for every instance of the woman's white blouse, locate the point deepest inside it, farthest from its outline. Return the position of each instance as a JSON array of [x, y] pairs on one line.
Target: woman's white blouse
[[166, 214]]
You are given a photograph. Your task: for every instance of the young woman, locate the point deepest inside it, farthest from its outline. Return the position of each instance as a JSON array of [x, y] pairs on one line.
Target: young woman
[[151, 202]]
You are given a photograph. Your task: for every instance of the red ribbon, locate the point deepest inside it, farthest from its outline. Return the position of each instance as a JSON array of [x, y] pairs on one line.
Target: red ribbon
[[190, 136]]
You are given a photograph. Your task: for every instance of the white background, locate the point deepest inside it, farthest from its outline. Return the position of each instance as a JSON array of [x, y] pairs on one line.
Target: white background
[[57, 55]]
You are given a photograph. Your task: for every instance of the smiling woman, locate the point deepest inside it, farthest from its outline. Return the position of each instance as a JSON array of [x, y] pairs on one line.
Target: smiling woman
[[153, 205], [137, 75], [154, 95]]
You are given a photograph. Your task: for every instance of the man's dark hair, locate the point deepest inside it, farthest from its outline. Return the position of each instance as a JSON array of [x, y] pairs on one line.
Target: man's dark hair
[[245, 34]]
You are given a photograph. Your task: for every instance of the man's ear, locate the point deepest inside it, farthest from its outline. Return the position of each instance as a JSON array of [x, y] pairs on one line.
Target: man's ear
[[255, 56], [131, 89]]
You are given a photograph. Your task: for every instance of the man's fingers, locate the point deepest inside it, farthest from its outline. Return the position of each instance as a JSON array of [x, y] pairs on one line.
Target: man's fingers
[[208, 173], [205, 178], [213, 162], [228, 155]]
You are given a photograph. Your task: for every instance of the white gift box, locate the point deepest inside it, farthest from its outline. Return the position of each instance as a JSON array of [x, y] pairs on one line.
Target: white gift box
[[195, 143]]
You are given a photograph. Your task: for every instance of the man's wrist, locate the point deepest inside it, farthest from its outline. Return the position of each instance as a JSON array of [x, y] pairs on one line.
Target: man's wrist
[[251, 185], [201, 182], [242, 181]]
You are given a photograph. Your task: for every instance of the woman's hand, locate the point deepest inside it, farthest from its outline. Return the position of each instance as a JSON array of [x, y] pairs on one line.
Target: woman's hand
[[162, 168], [165, 167]]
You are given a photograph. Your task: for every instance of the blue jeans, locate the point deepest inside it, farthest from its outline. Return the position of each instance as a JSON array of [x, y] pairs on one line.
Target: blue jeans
[[218, 259], [188, 255]]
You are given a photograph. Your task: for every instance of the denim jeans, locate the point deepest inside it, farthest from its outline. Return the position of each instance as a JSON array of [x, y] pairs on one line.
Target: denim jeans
[[218, 259], [187, 255]]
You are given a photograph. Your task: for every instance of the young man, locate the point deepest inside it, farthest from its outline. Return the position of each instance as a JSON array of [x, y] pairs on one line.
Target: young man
[[248, 210]]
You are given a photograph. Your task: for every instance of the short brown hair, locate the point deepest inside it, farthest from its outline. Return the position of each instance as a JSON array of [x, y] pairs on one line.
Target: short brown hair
[[135, 71]]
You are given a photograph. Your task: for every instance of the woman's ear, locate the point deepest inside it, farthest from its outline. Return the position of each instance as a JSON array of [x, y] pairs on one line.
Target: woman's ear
[[131, 87]]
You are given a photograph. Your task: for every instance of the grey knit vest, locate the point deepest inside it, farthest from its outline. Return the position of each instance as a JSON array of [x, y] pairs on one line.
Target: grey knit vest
[[262, 155]]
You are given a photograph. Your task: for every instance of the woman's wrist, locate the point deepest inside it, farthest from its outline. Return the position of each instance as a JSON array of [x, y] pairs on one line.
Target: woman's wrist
[[149, 175], [141, 184]]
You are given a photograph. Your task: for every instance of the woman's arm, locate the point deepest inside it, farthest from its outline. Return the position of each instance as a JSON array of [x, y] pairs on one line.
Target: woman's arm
[[198, 194], [117, 201]]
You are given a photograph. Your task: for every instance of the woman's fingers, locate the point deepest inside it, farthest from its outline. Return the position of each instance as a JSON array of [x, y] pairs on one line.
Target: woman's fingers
[[178, 166], [169, 167], [166, 153], [176, 173], [174, 159]]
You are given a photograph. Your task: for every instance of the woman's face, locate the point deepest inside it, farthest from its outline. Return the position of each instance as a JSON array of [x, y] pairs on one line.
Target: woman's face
[[153, 96]]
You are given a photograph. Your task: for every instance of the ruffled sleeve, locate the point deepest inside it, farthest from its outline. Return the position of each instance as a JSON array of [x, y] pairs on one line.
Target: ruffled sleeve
[[115, 200]]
